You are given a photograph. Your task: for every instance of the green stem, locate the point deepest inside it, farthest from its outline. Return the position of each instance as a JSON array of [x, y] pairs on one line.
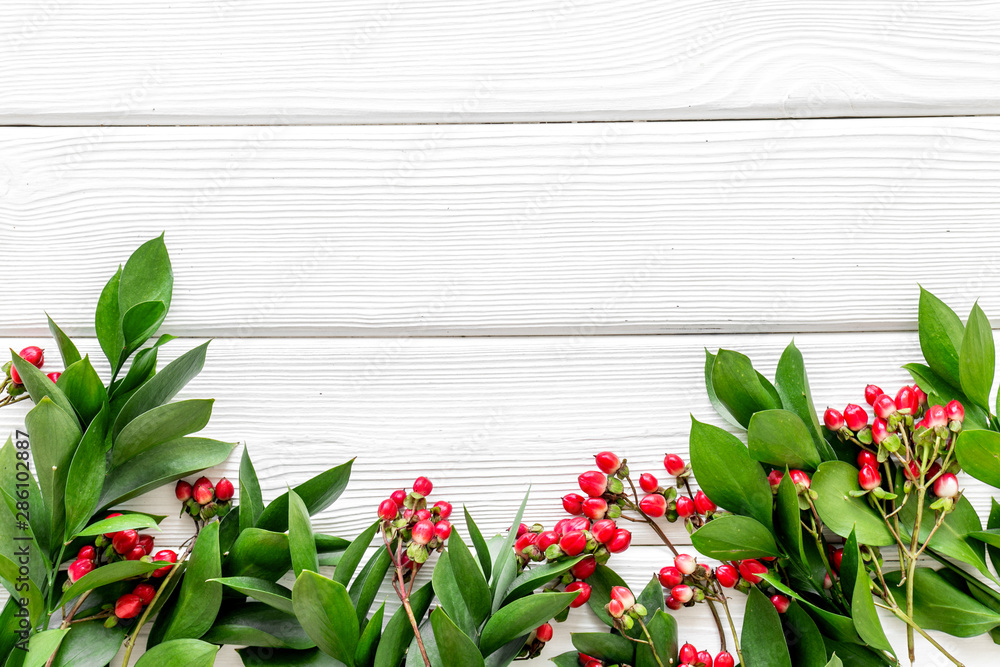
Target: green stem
[[130, 643], [652, 647], [732, 627]]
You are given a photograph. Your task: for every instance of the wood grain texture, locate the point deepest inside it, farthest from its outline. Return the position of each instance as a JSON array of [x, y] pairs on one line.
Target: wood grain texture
[[387, 61], [822, 225]]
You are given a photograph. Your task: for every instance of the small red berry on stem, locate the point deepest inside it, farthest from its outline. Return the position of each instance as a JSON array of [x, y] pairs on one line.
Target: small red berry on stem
[[682, 593], [703, 658], [573, 503], [624, 596], [685, 507], [833, 420], [34, 355], [727, 575], [388, 510], [183, 490], [946, 486], [869, 478], [595, 508], [584, 568], [145, 592], [444, 508], [781, 603], [685, 563], [955, 411], [855, 417], [423, 532], [167, 555], [574, 543], [648, 483], [86, 553], [608, 462], [654, 505], [202, 491], [936, 416], [111, 516], [800, 479], [670, 576], [774, 478], [673, 604], [603, 530], [146, 543], [688, 653], [884, 406], [543, 632], [872, 392], [399, 497], [422, 486], [702, 503], [442, 529], [584, 595], [593, 483], [836, 558], [128, 606], [866, 458], [906, 401], [620, 542], [54, 376], [880, 430], [135, 554], [80, 568], [224, 490], [724, 659], [615, 609], [674, 464], [749, 569], [422, 515], [126, 540]]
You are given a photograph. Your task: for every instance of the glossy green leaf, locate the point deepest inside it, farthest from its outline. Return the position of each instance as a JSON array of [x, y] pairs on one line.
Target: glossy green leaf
[[977, 358], [953, 537], [471, 582], [651, 597], [257, 553], [940, 606], [161, 465], [160, 425], [663, 629], [450, 597], [317, 493], [354, 553], [710, 388], [521, 617], [42, 645], [601, 582], [83, 387], [788, 519], [727, 474], [993, 523], [858, 587], [503, 564], [482, 550], [89, 643], [324, 609], [605, 646], [146, 278], [257, 624], [366, 585], [86, 475], [36, 604], [119, 523], [763, 640], [368, 643], [270, 593], [200, 598], [738, 386], [39, 386], [792, 384], [267, 657], [537, 576], [454, 643], [398, 632], [941, 333], [251, 501], [162, 387], [108, 321], [187, 652], [569, 659], [301, 543], [142, 368], [67, 349], [734, 537], [840, 512], [835, 662], [830, 624], [108, 574], [139, 323], [54, 438], [780, 438], [855, 654], [805, 643], [978, 452]]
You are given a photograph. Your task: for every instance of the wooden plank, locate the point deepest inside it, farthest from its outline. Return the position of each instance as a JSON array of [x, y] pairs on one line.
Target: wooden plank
[[823, 225], [386, 61], [483, 417]]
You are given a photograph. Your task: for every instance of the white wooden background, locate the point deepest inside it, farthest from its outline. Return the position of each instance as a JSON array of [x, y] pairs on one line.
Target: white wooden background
[[406, 252]]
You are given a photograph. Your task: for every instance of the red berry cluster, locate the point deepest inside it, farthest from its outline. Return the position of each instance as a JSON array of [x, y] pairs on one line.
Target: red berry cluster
[[35, 356], [202, 501], [411, 529], [692, 657]]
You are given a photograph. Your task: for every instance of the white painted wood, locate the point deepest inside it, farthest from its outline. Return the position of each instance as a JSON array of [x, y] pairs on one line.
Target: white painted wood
[[388, 61], [823, 225]]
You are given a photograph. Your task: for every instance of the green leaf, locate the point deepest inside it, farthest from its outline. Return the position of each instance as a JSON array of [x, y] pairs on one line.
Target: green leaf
[[482, 550], [39, 386], [368, 643], [763, 639], [146, 278], [366, 585], [663, 629], [108, 321], [534, 577], [940, 606], [734, 537], [54, 437], [160, 425], [454, 643], [301, 543], [139, 323], [842, 513], [727, 474], [142, 368], [831, 624], [977, 358], [792, 384], [251, 501], [993, 523], [978, 452], [200, 599], [86, 475], [108, 574], [161, 465], [162, 387], [84, 389], [601, 582], [953, 538], [570, 659], [398, 632], [324, 609], [271, 594], [89, 643], [857, 586], [780, 438], [738, 386], [257, 553], [941, 334], [187, 652], [652, 597], [605, 646], [788, 519], [939, 392], [521, 617], [256, 624], [805, 641], [67, 350], [503, 565], [43, 645], [317, 493], [450, 597], [118, 523], [267, 657], [716, 403], [471, 582], [835, 662], [353, 555]]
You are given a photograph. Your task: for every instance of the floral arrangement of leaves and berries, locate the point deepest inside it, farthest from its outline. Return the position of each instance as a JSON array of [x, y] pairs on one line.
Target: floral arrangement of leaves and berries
[[80, 575]]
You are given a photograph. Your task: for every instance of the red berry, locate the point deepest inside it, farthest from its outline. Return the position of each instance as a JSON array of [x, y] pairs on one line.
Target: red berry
[[682, 593], [855, 417], [595, 508], [906, 401], [125, 541], [774, 478], [685, 507], [54, 376], [388, 510], [946, 486], [954, 411], [912, 471], [145, 592], [398, 496], [674, 464], [521, 529], [673, 604], [33, 355], [111, 516], [702, 504], [880, 430], [884, 406], [80, 568], [608, 462], [167, 555], [584, 595], [727, 575], [86, 553], [584, 568], [749, 569], [128, 606], [800, 479], [872, 392], [933, 471], [670, 576], [836, 558], [704, 658], [603, 530], [202, 492], [648, 483], [615, 609], [688, 653], [422, 515], [921, 396], [442, 529], [568, 525], [224, 490], [183, 490], [546, 539], [146, 543], [573, 544], [724, 659], [423, 532], [522, 543], [869, 478], [936, 416], [593, 663], [543, 632], [685, 563], [593, 483], [620, 541], [422, 486], [653, 505], [623, 595], [135, 554], [444, 508], [833, 420], [781, 603], [14, 376], [573, 503]]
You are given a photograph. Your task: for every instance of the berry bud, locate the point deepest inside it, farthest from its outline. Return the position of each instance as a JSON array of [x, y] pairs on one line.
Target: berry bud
[[167, 555], [388, 510], [912, 471], [615, 609], [685, 563], [685, 507], [135, 554], [86, 553], [80, 568], [702, 504], [880, 430], [749, 569], [422, 486], [603, 530], [654, 505], [936, 416], [781, 603], [872, 392], [128, 606], [833, 420], [906, 401], [688, 654], [648, 483], [595, 508], [522, 543], [946, 486], [954, 411], [608, 462], [574, 543], [673, 604], [869, 478], [145, 593], [584, 568], [54, 376], [800, 479], [624, 596], [704, 658], [573, 503], [724, 659], [423, 532], [670, 576], [774, 478], [202, 492], [183, 491], [125, 541], [584, 595], [836, 558], [682, 593], [620, 541], [399, 497], [442, 529], [422, 515], [855, 417], [146, 543], [593, 483], [546, 539], [444, 508], [543, 632], [884, 406], [674, 464], [33, 355], [727, 575], [224, 490]]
